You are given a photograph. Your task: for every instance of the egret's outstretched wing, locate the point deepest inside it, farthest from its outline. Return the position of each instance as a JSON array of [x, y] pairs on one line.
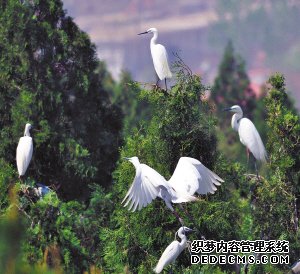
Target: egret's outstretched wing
[[250, 137], [169, 255], [144, 189], [192, 176], [24, 154], [160, 61]]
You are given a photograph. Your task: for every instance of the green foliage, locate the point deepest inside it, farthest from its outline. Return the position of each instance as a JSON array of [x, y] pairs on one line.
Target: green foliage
[[50, 76], [276, 197], [12, 233], [65, 232], [284, 135], [135, 108], [7, 176], [274, 203]]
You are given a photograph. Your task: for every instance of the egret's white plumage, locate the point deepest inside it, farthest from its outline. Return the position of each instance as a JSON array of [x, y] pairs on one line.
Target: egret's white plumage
[[24, 151], [248, 133], [159, 56], [173, 250], [41, 190], [190, 176]]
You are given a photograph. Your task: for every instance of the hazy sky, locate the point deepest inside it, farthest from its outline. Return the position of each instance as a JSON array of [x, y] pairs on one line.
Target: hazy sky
[[263, 33]]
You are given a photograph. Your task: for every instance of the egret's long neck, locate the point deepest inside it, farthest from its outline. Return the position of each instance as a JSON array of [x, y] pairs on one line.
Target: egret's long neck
[[183, 239], [235, 121], [26, 132], [137, 165], [154, 38]]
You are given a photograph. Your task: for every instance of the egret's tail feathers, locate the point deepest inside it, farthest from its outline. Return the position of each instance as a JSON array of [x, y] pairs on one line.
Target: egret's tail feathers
[[158, 268], [169, 74], [264, 156], [261, 154]]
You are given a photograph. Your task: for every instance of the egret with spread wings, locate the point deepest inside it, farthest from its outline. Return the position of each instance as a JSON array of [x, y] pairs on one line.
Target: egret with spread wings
[[159, 57], [173, 250], [189, 177]]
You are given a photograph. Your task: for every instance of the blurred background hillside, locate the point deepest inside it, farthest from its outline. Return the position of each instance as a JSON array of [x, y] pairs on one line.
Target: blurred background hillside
[[264, 33]]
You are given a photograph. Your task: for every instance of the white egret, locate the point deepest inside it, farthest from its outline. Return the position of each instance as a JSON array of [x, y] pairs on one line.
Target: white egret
[[248, 134], [296, 267], [159, 57], [24, 151], [173, 250], [41, 190], [189, 177]]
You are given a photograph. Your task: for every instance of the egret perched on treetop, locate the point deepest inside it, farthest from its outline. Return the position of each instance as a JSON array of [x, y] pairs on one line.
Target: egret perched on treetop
[[24, 151], [159, 57], [189, 177], [173, 250], [249, 135]]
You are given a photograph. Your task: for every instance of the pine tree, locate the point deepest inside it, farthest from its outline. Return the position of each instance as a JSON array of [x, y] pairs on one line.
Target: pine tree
[[48, 77], [136, 110], [276, 214]]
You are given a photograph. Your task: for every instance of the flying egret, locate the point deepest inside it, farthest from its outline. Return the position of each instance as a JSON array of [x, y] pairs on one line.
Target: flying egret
[[159, 57], [248, 133], [24, 151], [189, 177], [173, 250]]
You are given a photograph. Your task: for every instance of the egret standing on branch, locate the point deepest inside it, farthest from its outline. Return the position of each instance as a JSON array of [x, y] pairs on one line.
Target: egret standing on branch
[[189, 177], [159, 57], [249, 135], [173, 250], [24, 151]]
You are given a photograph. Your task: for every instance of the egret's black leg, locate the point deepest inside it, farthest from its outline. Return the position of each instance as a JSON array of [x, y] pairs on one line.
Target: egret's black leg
[[178, 217], [192, 220], [21, 178], [187, 214], [255, 164], [166, 84], [248, 157], [168, 204], [157, 82]]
